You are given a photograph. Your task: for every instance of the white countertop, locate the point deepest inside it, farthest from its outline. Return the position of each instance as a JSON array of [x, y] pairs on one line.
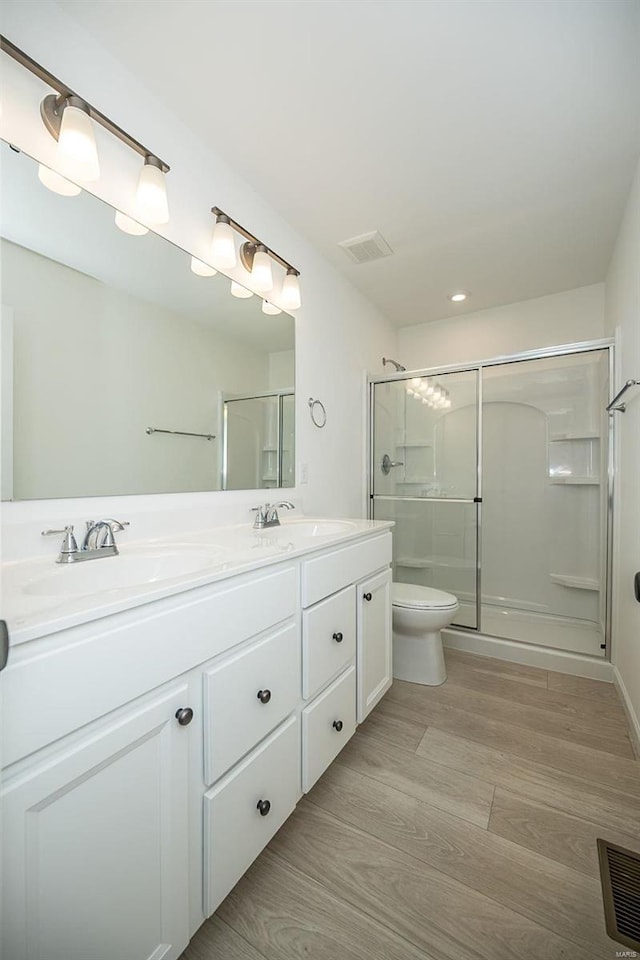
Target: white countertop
[[40, 597]]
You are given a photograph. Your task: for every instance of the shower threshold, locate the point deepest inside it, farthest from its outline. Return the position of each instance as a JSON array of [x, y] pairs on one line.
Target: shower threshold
[[541, 629]]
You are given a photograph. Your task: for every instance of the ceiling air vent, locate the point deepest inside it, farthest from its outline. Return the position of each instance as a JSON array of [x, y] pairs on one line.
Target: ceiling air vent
[[366, 247], [620, 875]]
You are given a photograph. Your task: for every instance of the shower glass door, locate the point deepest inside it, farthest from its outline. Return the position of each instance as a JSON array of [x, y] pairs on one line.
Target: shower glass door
[[425, 476]]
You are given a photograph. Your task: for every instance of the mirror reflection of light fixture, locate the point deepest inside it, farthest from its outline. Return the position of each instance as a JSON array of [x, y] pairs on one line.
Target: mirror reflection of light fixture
[[151, 203], [68, 120], [270, 309], [290, 297], [237, 290], [202, 269], [57, 183], [129, 225]]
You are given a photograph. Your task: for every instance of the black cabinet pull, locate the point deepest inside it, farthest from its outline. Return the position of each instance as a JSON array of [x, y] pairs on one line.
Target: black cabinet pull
[[367, 596], [338, 725], [184, 716], [264, 696], [263, 806], [338, 637]]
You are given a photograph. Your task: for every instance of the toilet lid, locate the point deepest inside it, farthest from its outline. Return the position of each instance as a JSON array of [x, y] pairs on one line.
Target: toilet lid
[[421, 598]]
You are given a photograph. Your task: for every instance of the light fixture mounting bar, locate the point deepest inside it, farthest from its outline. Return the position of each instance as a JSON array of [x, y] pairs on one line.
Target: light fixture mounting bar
[[217, 212], [64, 91]]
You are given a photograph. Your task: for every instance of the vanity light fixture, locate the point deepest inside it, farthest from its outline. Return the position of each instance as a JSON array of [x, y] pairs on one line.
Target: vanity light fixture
[[57, 183], [458, 297], [291, 290], [237, 290], [223, 248], [202, 269], [151, 203], [270, 309], [70, 120], [129, 225], [255, 257]]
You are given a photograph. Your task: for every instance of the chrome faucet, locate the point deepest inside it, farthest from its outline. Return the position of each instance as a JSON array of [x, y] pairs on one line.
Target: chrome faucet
[[99, 541], [267, 514]]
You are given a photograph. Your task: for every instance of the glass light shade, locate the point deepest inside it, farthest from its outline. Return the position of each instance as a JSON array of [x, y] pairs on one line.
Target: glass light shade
[[237, 290], [202, 269], [58, 184], [151, 196], [270, 309], [128, 225], [290, 297], [223, 247], [261, 275], [77, 148]]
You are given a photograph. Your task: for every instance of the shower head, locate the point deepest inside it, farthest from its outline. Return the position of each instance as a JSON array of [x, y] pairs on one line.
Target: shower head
[[398, 366]]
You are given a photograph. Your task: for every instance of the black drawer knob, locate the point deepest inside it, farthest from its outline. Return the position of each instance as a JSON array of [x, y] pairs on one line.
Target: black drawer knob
[[184, 716], [264, 696], [367, 596], [338, 725], [338, 637], [263, 806]]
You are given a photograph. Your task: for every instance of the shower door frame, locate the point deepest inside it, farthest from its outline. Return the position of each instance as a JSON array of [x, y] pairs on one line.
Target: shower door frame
[[478, 366], [224, 430]]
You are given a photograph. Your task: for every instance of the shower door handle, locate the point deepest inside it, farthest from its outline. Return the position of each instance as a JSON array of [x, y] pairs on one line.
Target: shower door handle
[[387, 463]]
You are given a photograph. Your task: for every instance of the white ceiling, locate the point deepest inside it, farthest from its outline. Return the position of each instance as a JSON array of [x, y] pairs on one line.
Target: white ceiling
[[491, 143]]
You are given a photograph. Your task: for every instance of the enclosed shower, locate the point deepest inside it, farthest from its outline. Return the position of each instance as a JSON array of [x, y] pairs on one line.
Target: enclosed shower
[[499, 480]]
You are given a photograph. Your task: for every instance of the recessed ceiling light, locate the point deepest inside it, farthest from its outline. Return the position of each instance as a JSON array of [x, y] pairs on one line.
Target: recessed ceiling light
[[458, 297]]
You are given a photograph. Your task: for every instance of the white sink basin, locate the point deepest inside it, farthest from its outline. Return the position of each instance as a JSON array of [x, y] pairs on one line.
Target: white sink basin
[[313, 528], [114, 573]]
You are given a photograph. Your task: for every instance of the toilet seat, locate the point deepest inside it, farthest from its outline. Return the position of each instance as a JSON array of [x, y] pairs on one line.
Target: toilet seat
[[416, 597]]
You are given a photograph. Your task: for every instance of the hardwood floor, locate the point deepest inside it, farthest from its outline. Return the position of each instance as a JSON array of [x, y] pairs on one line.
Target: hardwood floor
[[459, 823]]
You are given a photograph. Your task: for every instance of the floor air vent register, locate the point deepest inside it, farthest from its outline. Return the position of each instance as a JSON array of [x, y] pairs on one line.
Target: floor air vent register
[[620, 876]]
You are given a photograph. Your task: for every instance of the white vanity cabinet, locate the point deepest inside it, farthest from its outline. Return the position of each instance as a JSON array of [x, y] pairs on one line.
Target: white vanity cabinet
[[152, 753], [95, 842]]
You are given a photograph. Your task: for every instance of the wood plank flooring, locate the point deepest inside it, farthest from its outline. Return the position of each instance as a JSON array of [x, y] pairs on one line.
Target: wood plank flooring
[[459, 823]]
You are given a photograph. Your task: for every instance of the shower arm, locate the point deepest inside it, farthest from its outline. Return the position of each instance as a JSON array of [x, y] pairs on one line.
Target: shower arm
[[398, 366]]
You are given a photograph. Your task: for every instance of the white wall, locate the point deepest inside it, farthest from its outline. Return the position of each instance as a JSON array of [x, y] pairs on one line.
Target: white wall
[[339, 334], [623, 317], [560, 318], [95, 366]]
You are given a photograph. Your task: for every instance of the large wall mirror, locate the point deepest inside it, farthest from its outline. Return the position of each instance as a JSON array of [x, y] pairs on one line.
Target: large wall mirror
[[123, 372]]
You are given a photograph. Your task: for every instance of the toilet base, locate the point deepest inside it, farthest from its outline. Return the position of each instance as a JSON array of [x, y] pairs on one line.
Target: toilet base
[[419, 659]]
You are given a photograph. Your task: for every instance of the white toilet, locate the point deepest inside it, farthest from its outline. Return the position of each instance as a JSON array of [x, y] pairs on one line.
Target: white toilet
[[419, 614]]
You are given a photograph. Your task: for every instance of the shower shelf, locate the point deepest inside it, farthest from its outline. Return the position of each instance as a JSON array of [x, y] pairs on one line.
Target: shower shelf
[[575, 481], [559, 437], [425, 563], [576, 583], [405, 446]]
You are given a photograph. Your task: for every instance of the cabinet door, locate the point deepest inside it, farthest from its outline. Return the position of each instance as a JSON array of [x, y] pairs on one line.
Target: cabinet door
[[374, 641], [96, 843]]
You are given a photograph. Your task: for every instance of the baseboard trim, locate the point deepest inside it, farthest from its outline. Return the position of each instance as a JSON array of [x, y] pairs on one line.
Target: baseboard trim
[[632, 717], [546, 658]]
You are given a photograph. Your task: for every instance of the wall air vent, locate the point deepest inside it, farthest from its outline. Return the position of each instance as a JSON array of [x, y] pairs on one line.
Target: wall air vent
[[620, 876], [366, 247]]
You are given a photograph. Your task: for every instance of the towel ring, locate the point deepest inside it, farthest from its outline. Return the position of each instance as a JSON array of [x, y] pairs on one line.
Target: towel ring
[[321, 420]]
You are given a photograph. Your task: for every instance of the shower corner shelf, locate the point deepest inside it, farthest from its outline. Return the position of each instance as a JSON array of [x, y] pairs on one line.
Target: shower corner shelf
[[559, 437], [575, 481], [418, 444], [576, 583]]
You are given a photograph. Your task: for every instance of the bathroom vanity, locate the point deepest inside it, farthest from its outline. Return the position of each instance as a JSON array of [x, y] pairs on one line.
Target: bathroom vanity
[[157, 735]]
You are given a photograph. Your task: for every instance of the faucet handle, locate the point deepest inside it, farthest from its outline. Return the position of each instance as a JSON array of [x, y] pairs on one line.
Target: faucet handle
[[69, 544]]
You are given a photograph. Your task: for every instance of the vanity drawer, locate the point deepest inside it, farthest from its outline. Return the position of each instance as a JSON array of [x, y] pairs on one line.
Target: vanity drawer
[[330, 572], [235, 829], [328, 639], [322, 736], [247, 695]]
